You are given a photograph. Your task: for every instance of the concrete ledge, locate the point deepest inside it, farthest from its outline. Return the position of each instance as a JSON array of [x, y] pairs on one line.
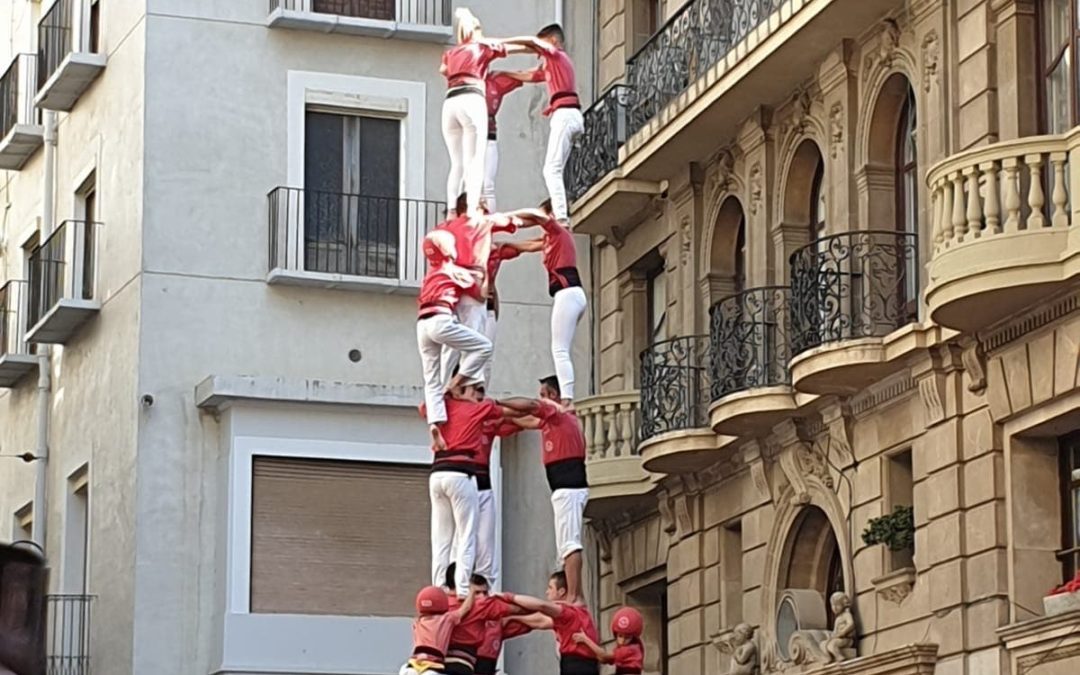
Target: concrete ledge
[[217, 392]]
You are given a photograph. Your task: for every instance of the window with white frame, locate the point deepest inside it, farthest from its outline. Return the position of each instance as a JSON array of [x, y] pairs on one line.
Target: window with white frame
[[354, 202]]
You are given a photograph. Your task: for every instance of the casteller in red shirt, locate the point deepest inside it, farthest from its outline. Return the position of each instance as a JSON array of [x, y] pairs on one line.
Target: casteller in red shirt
[[557, 70], [497, 86], [467, 64], [492, 429], [564, 446], [463, 432], [629, 658], [560, 256], [495, 634], [468, 635], [574, 619]]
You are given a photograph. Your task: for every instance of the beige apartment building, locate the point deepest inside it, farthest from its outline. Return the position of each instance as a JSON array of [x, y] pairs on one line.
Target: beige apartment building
[[210, 219], [836, 292]]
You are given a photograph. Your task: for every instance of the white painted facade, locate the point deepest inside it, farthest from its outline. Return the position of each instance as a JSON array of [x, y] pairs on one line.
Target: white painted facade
[[196, 116]]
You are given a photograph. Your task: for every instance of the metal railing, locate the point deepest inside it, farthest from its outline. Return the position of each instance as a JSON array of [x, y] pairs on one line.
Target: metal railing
[[420, 12], [355, 235], [12, 315], [853, 285], [596, 152], [697, 37], [64, 266], [750, 344], [54, 39], [675, 388], [68, 638], [17, 88]]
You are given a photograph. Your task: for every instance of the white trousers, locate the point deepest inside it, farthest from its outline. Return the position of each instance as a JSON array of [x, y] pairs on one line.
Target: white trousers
[[472, 314], [566, 125], [464, 128], [432, 335], [454, 507], [491, 167], [490, 328], [566, 310], [487, 563], [568, 505]]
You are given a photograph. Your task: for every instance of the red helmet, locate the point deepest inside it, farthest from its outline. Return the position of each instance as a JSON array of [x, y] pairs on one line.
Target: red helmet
[[432, 600], [627, 621]]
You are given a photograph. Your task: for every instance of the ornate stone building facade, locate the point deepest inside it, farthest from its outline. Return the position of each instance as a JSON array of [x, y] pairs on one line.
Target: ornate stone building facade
[[837, 332]]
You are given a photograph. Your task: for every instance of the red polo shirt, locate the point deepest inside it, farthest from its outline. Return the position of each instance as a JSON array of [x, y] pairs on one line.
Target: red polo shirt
[[471, 631], [629, 658], [470, 61], [557, 71], [574, 619], [498, 85]]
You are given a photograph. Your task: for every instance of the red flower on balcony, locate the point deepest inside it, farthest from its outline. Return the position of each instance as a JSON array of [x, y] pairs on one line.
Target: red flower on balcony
[[1068, 587]]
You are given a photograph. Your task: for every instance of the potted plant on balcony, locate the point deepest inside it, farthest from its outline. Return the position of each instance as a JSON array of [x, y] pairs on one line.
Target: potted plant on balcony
[[895, 530], [1064, 598]]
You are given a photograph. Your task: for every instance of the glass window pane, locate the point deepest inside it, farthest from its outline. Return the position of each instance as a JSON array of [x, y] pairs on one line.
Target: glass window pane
[[1056, 28], [1075, 518], [1057, 98]]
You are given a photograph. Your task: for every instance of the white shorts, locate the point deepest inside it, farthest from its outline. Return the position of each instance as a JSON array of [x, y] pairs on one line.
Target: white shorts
[[569, 507]]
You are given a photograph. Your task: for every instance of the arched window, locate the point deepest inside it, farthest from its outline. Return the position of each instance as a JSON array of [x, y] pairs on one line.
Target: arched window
[[819, 214], [812, 556], [727, 258], [1058, 36], [739, 276], [907, 194]]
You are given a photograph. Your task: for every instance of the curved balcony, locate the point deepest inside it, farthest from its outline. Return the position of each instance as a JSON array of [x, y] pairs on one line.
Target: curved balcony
[[610, 423], [849, 291], [750, 350], [675, 433], [1002, 230]]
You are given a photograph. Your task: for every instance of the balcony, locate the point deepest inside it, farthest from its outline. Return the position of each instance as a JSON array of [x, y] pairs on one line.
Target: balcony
[[62, 293], [1003, 235], [675, 433], [610, 423], [848, 292], [16, 361], [739, 51], [751, 383], [423, 20], [68, 637], [67, 58], [338, 240], [21, 133]]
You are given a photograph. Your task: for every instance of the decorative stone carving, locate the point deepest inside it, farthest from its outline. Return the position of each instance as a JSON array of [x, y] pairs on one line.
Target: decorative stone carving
[[838, 419], [663, 505], [603, 538], [974, 363], [931, 391], [836, 130], [930, 54], [685, 242], [755, 188], [722, 177], [826, 646], [801, 105], [741, 645], [888, 46], [754, 458], [895, 586]]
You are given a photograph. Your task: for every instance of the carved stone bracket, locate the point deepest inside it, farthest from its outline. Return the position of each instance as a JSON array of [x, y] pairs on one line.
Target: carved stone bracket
[[974, 363], [895, 586], [933, 375], [664, 506], [931, 51], [799, 459], [754, 458], [839, 421]]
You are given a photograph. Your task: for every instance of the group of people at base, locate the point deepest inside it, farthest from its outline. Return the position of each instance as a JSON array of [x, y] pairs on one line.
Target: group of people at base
[[461, 626]]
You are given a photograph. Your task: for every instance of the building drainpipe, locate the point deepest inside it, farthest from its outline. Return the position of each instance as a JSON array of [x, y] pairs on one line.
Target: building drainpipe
[[558, 11], [44, 387]]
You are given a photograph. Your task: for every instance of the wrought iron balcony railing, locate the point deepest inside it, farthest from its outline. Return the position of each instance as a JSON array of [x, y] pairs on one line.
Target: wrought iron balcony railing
[[421, 12], [68, 638], [17, 87], [750, 340], [12, 318], [54, 39], [675, 389], [349, 234], [597, 151], [853, 285], [63, 267], [693, 40]]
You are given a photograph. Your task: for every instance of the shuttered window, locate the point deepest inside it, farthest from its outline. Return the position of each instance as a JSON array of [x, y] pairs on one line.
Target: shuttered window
[[337, 538]]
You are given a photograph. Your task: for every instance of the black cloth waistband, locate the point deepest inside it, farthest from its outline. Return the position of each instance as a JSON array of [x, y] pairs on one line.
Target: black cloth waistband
[[454, 460], [563, 277], [562, 95], [628, 671], [483, 481], [458, 668], [577, 665], [464, 89], [567, 474], [434, 654], [486, 666], [492, 136], [491, 304]]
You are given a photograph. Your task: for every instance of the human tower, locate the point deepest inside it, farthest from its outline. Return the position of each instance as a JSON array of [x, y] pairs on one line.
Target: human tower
[[460, 625]]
